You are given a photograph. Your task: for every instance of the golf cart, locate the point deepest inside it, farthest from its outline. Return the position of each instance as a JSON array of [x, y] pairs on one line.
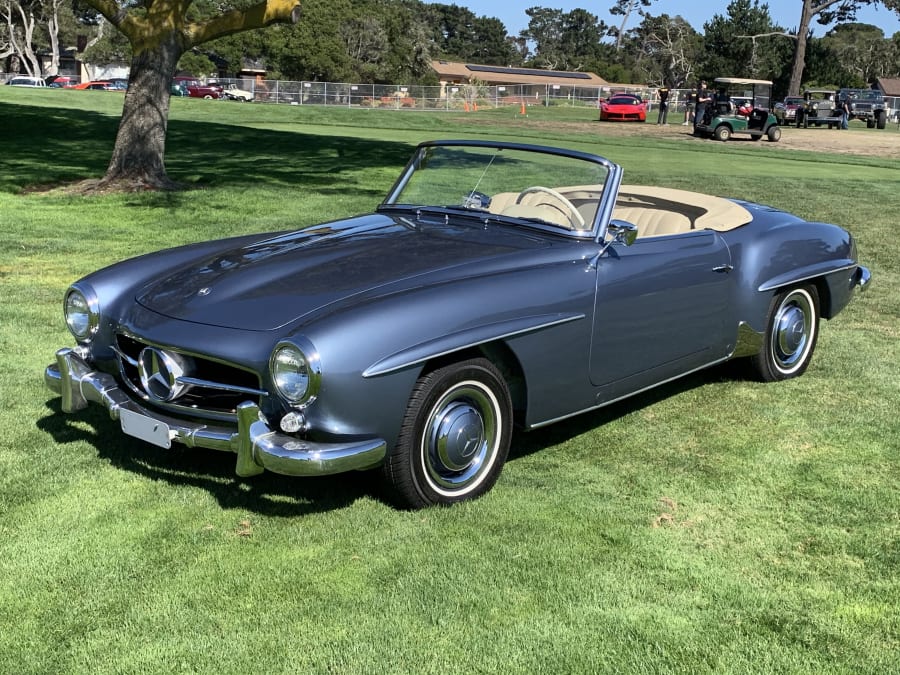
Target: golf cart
[[821, 108], [741, 106]]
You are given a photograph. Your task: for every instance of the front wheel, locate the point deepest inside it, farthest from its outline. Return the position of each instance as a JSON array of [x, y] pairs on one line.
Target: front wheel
[[792, 328], [454, 438], [881, 119], [722, 132], [774, 133]]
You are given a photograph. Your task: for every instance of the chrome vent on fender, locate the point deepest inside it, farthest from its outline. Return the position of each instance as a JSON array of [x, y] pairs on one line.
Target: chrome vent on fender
[[184, 382]]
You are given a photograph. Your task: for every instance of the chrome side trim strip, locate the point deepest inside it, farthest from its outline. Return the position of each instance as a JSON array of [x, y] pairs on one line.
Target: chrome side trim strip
[[778, 282], [538, 425]]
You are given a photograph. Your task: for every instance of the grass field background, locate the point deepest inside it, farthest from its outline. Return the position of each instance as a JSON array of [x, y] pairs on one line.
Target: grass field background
[[712, 525]]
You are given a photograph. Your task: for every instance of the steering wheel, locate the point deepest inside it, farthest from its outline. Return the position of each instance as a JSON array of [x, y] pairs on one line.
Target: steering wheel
[[568, 208]]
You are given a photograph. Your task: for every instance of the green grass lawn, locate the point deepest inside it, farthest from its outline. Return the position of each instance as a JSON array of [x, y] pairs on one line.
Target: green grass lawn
[[713, 525]]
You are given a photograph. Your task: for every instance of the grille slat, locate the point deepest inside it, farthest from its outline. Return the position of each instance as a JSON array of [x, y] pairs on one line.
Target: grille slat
[[215, 388]]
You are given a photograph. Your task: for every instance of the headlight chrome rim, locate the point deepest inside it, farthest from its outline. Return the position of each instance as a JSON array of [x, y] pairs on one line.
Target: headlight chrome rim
[[303, 351], [83, 319]]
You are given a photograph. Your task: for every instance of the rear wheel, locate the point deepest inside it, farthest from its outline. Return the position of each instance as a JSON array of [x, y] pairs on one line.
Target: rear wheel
[[881, 119], [792, 328], [722, 132], [454, 438]]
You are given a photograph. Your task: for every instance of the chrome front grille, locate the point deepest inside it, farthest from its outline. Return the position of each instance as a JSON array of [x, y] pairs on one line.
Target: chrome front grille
[[206, 387]]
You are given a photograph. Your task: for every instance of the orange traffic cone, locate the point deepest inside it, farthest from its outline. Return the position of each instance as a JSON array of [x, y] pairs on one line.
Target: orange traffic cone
[[522, 109], [466, 106], [475, 106]]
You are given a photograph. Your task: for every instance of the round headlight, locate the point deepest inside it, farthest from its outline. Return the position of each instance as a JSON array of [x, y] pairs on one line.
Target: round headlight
[[82, 316], [295, 372]]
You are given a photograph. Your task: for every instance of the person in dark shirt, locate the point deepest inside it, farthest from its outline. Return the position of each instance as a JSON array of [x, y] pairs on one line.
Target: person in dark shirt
[[663, 105], [704, 98], [845, 113]]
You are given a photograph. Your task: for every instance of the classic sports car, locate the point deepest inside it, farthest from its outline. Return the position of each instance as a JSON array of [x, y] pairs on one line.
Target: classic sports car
[[497, 284], [623, 108]]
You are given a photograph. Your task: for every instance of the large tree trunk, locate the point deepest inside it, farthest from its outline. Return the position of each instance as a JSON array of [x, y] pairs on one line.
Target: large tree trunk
[[800, 51], [159, 33], [139, 154]]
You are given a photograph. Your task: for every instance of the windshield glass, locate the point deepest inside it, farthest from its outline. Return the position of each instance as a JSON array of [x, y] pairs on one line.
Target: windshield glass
[[526, 185], [624, 100]]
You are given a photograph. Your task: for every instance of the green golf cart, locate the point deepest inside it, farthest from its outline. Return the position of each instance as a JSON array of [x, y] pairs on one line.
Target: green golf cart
[[741, 106]]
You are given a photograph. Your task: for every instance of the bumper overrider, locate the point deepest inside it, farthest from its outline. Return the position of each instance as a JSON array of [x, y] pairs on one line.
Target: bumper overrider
[[257, 446]]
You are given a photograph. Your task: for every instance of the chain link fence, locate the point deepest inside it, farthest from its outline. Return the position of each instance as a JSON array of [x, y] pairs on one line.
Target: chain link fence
[[418, 97], [454, 96]]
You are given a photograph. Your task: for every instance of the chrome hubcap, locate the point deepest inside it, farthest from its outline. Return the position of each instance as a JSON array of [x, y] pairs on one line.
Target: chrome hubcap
[[792, 331], [458, 436], [461, 438]]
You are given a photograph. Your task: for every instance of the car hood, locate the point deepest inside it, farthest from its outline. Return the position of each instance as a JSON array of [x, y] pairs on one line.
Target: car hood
[[278, 280]]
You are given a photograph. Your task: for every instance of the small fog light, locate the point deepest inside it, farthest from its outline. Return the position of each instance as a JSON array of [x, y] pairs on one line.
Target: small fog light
[[293, 422]]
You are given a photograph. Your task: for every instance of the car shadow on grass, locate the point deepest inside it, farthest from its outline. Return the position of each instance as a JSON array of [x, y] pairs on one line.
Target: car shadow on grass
[[275, 495], [528, 443], [211, 470]]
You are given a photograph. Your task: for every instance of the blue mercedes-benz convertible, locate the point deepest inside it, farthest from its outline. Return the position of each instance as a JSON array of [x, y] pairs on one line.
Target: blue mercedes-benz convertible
[[497, 285]]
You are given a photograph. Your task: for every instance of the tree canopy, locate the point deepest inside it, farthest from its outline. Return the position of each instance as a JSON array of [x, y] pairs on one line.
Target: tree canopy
[[394, 41]]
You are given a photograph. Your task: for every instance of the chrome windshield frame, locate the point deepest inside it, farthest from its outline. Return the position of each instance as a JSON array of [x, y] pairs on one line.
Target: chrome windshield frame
[[598, 229]]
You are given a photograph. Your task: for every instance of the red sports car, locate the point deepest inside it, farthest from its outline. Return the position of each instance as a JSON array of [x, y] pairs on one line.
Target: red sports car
[[623, 108]]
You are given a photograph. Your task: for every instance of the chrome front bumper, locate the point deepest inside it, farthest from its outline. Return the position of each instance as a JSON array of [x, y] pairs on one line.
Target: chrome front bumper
[[257, 446], [863, 277]]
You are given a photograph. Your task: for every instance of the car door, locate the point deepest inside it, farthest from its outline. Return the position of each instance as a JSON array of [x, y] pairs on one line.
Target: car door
[[661, 310]]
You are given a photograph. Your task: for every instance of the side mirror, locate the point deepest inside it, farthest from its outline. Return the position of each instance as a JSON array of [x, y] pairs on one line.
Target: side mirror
[[623, 233]]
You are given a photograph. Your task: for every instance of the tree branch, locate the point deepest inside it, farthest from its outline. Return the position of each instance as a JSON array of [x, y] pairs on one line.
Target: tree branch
[[760, 35], [111, 10], [237, 20]]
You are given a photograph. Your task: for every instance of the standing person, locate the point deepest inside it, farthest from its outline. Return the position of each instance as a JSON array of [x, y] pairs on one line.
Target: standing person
[[845, 113], [663, 105], [689, 108], [704, 98]]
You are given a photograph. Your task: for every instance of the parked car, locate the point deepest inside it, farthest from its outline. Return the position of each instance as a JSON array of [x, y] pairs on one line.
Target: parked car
[[497, 284], [233, 93], [866, 105], [786, 110], [61, 82], [96, 85], [731, 115], [623, 108], [196, 89], [26, 81], [821, 108]]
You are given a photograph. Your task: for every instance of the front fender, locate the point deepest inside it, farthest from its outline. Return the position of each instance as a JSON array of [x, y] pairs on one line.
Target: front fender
[[464, 339]]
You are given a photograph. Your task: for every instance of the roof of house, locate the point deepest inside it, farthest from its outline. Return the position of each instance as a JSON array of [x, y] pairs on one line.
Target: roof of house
[[890, 86], [466, 72]]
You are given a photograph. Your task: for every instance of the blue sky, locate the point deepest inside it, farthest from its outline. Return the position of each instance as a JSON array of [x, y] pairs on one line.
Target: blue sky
[[696, 12]]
